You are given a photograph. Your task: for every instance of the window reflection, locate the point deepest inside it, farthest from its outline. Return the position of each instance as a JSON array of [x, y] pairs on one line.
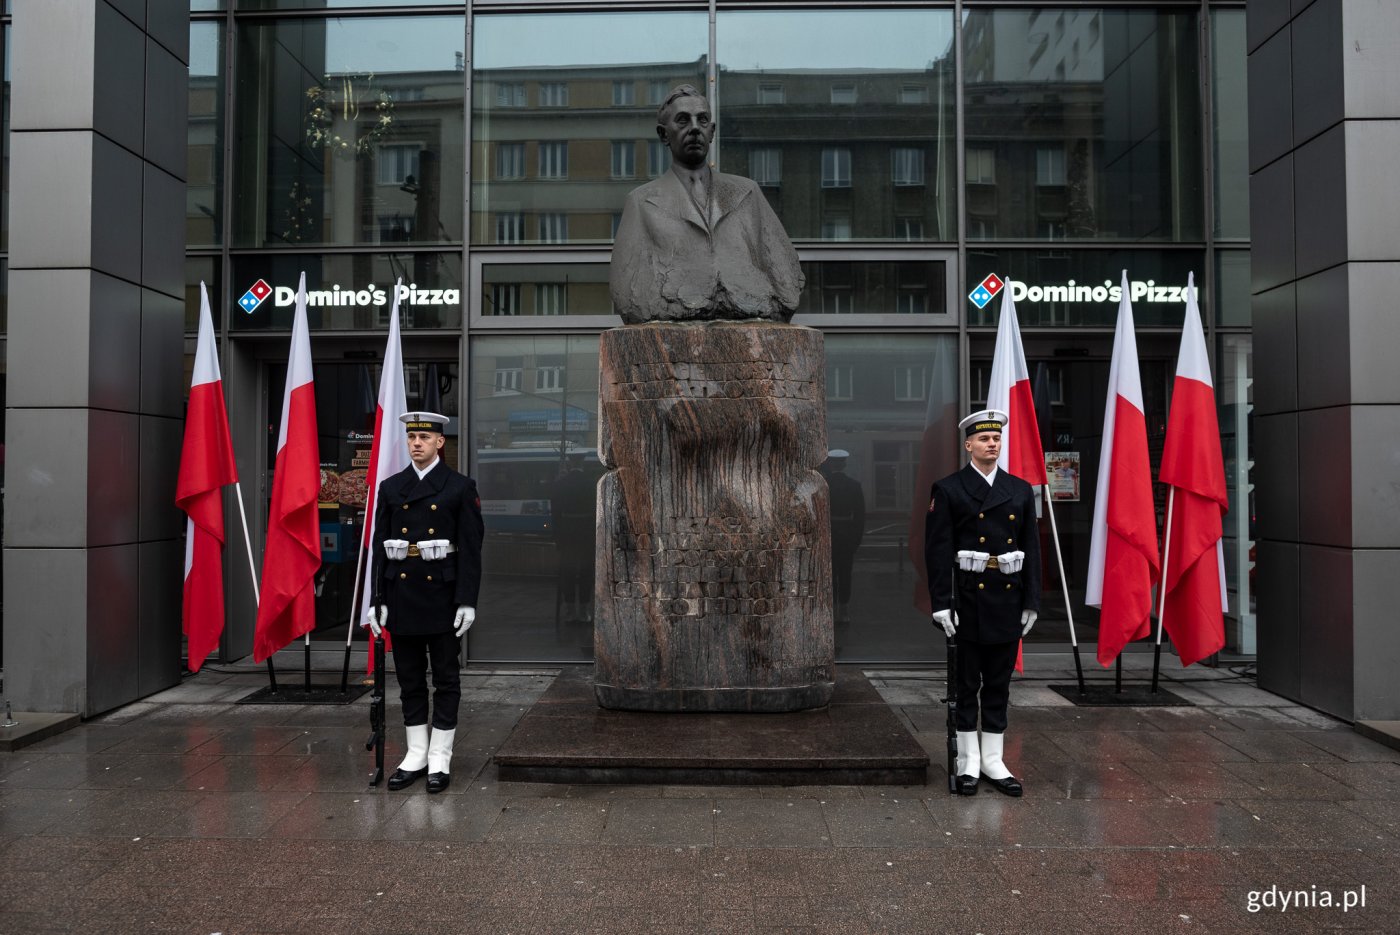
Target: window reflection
[[1082, 124], [535, 415], [350, 131], [545, 289], [204, 169], [892, 407], [564, 118], [845, 119], [838, 287], [1229, 122]]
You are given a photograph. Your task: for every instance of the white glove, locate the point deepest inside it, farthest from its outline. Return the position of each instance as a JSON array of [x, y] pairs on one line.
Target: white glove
[[1028, 619], [973, 561], [396, 549], [947, 620], [1010, 562], [463, 622], [376, 619], [430, 550]]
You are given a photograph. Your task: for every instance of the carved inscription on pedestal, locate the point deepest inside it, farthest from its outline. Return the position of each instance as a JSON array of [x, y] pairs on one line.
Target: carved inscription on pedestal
[[713, 538]]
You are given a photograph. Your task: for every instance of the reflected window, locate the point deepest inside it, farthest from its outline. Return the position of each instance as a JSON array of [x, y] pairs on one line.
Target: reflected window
[[1114, 150], [907, 166], [874, 288], [536, 467], [554, 160], [624, 159], [831, 91], [554, 227], [322, 103], [510, 160], [836, 169], [545, 289], [398, 163], [658, 158], [505, 298], [591, 70], [898, 440], [509, 373], [510, 94], [205, 148], [510, 227], [766, 166], [554, 94]]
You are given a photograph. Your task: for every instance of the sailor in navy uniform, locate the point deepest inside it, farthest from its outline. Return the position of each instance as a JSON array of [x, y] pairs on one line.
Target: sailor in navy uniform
[[981, 522], [427, 574]]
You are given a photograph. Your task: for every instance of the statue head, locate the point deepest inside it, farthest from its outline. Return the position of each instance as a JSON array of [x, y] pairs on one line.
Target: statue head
[[684, 123]]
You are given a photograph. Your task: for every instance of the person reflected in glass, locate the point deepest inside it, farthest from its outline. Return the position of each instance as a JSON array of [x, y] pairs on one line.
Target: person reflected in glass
[[572, 507], [847, 528]]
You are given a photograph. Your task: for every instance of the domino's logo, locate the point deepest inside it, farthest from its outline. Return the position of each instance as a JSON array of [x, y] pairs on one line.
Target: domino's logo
[[254, 296], [985, 290]]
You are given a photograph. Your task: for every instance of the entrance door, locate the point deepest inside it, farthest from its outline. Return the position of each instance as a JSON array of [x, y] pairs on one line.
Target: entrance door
[[1069, 378]]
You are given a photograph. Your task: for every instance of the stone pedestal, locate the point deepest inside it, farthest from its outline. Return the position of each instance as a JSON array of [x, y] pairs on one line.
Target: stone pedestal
[[714, 551]]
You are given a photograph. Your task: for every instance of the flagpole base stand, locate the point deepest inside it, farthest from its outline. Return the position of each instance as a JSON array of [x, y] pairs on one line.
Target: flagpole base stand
[[317, 694], [1103, 695]]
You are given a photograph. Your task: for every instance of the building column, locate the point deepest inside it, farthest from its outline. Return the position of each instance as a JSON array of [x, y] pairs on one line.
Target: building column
[[1324, 128], [93, 550]]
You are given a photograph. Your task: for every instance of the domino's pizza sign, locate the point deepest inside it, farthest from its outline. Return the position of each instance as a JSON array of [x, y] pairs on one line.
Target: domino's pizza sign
[[986, 290], [254, 296]]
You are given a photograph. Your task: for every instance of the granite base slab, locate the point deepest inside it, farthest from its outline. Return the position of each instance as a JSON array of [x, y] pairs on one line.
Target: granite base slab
[[854, 740]]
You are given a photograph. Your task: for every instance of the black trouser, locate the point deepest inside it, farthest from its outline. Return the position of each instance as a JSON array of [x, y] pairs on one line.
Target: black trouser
[[576, 573], [842, 559], [984, 669], [411, 657]]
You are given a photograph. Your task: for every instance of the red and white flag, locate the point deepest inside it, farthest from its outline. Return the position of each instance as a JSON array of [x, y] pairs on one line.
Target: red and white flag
[[206, 466], [1009, 391], [1123, 561], [389, 453], [287, 605], [1195, 602]]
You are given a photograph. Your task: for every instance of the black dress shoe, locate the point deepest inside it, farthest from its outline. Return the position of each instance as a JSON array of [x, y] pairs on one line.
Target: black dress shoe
[[402, 778], [438, 782], [967, 785], [1009, 786]]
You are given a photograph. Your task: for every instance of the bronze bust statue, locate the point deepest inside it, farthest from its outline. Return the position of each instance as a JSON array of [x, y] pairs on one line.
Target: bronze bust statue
[[699, 245]]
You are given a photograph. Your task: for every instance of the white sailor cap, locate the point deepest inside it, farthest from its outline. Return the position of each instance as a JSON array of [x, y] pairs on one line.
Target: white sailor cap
[[984, 420], [838, 453], [424, 421]]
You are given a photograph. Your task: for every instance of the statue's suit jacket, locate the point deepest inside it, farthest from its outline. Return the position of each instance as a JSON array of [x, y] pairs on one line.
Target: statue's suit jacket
[[668, 264]]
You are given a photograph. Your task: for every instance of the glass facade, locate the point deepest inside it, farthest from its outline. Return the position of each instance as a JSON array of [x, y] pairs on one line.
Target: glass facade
[[484, 163]]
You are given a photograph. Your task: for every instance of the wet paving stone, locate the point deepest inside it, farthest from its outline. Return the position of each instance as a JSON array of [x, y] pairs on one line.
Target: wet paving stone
[[201, 816]]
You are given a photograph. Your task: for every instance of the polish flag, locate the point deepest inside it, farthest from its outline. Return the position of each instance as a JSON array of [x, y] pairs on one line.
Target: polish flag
[[1123, 562], [206, 466], [1009, 391], [1195, 601], [389, 453], [287, 605]]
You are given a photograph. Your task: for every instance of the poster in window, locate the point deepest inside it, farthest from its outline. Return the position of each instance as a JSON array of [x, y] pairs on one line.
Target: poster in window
[[1062, 468]]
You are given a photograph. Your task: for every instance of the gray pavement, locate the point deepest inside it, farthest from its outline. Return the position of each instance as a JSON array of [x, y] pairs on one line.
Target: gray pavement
[[187, 813]]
